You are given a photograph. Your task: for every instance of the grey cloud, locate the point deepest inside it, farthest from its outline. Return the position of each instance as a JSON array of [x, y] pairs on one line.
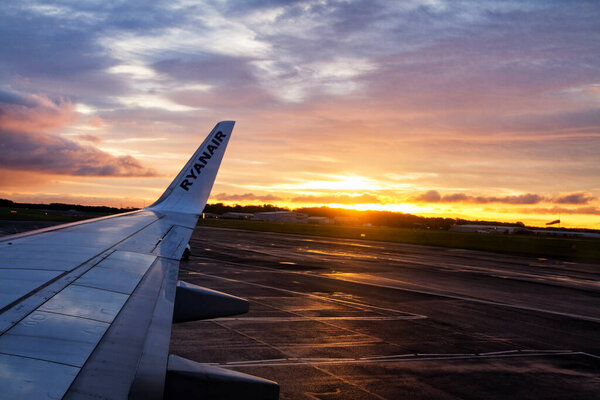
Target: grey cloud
[[433, 196], [587, 210], [50, 154], [574, 198], [23, 147], [207, 68], [43, 47], [528, 198], [233, 85], [520, 55], [11, 98], [89, 138]]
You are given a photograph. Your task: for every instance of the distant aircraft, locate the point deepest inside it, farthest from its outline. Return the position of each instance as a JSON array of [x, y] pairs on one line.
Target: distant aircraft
[[87, 307]]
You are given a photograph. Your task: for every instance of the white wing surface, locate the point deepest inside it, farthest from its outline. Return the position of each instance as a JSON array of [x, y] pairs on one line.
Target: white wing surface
[[86, 308]]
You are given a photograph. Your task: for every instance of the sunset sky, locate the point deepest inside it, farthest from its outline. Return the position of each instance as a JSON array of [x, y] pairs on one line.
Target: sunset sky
[[474, 109]]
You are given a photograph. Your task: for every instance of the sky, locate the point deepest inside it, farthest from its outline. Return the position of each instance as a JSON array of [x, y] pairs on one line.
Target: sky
[[468, 109]]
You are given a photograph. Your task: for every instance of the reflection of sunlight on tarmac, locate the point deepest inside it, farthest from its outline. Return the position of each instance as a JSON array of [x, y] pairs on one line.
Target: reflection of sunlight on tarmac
[[339, 253]]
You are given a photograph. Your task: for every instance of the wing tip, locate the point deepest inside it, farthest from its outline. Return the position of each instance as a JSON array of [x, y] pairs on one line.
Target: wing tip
[[196, 178]]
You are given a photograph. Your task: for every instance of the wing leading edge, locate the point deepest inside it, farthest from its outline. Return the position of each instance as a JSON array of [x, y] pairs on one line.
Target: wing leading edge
[[86, 308]]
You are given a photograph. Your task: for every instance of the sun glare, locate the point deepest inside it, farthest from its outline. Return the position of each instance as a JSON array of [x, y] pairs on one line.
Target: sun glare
[[402, 207], [338, 182]]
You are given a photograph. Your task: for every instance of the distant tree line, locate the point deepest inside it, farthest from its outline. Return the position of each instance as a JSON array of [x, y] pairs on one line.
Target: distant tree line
[[220, 208], [397, 219], [376, 218], [65, 207]]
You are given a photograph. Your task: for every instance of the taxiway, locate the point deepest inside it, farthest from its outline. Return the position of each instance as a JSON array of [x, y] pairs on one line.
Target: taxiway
[[352, 319]]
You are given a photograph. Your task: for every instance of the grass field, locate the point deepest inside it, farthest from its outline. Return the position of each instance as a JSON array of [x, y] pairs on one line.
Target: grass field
[[33, 214], [574, 249]]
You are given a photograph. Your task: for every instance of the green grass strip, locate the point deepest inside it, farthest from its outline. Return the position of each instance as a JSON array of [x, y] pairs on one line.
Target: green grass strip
[[536, 246]]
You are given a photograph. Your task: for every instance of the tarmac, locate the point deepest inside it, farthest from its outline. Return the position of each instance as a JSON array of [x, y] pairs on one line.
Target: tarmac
[[354, 319], [13, 227]]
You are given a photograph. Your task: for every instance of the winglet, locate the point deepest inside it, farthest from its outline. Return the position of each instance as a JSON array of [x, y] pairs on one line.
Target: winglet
[[190, 189]]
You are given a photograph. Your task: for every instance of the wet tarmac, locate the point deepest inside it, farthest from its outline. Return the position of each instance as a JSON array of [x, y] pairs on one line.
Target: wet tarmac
[[351, 319]]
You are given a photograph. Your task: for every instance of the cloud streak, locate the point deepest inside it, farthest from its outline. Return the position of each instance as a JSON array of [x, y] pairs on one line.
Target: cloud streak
[[433, 196], [31, 113], [574, 198], [50, 154], [588, 210]]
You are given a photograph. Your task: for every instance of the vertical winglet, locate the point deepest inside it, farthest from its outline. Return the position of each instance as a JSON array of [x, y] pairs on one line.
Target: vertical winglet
[[190, 189]]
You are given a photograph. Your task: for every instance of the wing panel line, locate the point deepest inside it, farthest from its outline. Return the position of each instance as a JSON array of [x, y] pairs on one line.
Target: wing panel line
[[68, 276]]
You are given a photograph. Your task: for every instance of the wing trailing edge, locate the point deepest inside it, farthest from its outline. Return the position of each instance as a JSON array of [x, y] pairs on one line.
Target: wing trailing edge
[[190, 189]]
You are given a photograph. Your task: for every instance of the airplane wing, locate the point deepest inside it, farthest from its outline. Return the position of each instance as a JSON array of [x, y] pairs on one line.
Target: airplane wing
[[86, 308]]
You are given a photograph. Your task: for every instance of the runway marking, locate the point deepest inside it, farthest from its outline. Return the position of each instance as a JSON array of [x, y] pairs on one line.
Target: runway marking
[[336, 326], [459, 297], [591, 355], [346, 381], [420, 291], [401, 358], [306, 318], [347, 302], [302, 363], [353, 343], [459, 266]]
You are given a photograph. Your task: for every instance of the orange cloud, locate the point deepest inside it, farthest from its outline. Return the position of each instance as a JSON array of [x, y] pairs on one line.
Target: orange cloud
[[33, 113], [25, 146], [89, 138]]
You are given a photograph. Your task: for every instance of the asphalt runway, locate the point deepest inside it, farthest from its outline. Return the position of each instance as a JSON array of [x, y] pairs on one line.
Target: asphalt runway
[[352, 319]]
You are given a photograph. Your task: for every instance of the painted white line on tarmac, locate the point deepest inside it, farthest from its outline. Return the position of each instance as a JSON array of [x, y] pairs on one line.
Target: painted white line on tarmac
[[323, 298], [465, 298], [310, 318], [405, 289], [397, 359]]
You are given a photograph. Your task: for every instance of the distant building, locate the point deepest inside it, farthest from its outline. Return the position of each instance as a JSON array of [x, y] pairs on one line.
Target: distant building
[[488, 229], [517, 230], [210, 215], [237, 215], [281, 216]]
